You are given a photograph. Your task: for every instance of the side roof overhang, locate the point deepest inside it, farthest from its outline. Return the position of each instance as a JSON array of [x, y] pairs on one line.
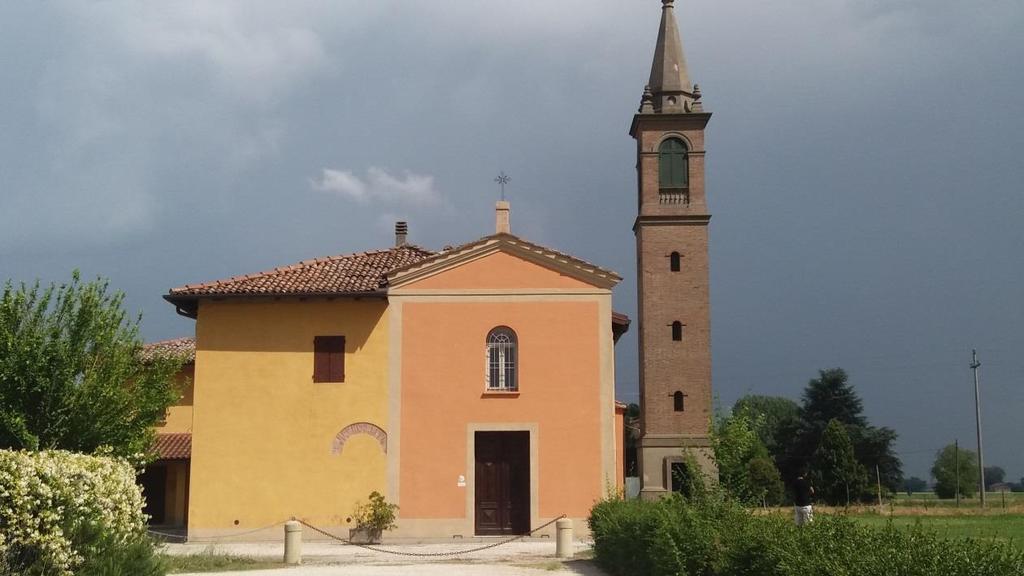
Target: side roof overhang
[[188, 304]]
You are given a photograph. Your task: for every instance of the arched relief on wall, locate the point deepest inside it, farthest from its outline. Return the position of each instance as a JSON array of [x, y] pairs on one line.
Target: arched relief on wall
[[351, 430]]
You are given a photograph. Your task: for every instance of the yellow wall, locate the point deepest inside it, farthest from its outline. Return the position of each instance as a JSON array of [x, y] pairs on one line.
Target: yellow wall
[[179, 416], [176, 497], [263, 430]]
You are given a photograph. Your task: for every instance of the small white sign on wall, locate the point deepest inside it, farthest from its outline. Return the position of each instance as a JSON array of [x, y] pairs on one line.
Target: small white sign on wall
[[461, 483]]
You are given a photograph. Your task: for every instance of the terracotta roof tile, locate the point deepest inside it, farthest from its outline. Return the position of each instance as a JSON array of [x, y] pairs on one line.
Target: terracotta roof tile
[[346, 274], [173, 446], [177, 347], [512, 239]]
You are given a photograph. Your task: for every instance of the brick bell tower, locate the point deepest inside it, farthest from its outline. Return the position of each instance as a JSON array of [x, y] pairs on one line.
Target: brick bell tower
[[672, 268]]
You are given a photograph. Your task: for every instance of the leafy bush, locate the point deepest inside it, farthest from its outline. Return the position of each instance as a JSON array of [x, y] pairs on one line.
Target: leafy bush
[[60, 510], [376, 515], [633, 536], [713, 536]]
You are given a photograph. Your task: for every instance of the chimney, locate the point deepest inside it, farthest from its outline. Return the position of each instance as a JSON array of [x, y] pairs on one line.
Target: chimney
[[401, 231], [502, 225]]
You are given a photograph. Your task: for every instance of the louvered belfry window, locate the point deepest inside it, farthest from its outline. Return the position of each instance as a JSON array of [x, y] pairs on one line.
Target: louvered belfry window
[[501, 360], [673, 164], [328, 359]]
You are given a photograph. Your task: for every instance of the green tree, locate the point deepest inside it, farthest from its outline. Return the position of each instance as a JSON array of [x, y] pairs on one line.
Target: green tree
[[914, 484], [765, 482], [772, 415], [837, 476], [631, 439], [945, 472], [736, 444], [831, 397], [874, 447], [71, 376], [994, 475]]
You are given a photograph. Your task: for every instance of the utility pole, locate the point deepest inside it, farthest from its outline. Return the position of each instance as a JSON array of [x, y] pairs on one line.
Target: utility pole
[[977, 408], [956, 466], [878, 479]]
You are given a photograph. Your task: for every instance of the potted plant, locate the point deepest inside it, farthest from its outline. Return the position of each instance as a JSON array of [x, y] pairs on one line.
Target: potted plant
[[372, 519]]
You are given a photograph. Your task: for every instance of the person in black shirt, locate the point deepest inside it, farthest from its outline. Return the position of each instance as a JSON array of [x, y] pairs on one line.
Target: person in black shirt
[[803, 492]]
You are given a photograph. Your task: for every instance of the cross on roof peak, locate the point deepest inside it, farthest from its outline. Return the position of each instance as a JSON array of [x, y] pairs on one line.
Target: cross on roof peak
[[502, 179]]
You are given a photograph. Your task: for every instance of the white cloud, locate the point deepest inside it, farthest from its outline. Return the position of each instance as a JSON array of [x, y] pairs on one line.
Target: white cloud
[[379, 186], [253, 56]]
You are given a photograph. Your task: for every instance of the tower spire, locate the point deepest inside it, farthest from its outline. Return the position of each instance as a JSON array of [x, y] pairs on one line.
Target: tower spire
[[670, 82]]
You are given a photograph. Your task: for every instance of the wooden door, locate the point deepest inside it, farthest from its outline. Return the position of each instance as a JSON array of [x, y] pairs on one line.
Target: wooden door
[[502, 483]]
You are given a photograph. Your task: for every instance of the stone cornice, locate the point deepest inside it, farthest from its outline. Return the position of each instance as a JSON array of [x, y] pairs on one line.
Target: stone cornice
[[672, 220]]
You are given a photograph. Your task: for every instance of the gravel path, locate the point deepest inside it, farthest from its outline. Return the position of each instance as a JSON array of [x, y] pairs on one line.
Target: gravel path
[[577, 567], [533, 557]]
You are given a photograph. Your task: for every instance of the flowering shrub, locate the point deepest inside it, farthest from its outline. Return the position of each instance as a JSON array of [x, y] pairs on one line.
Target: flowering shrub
[[54, 506]]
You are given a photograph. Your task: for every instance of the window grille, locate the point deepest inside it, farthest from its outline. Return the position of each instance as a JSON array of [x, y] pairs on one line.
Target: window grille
[[501, 360]]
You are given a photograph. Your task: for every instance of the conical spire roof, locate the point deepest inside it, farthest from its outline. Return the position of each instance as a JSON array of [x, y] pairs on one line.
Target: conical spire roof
[[670, 82]]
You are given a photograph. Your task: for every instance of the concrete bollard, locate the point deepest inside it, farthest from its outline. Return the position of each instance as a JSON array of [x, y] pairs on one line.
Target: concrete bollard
[[292, 542], [563, 542]]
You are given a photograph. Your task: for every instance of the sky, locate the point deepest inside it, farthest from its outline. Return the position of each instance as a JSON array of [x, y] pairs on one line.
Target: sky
[[863, 167]]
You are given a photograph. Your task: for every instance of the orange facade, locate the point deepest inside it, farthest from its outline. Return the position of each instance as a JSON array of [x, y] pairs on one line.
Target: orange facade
[[563, 398], [444, 394]]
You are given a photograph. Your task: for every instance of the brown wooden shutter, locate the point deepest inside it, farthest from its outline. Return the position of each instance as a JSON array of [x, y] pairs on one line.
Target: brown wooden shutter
[[321, 359], [328, 358], [337, 358]]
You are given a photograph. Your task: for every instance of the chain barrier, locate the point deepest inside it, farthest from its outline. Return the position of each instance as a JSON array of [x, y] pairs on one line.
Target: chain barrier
[[429, 554], [215, 538]]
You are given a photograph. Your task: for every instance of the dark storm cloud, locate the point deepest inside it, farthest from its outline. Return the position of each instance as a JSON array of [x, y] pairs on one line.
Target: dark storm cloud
[[864, 170]]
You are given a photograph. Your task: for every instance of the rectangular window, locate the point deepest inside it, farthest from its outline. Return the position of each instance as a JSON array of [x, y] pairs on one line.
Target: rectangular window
[[328, 359]]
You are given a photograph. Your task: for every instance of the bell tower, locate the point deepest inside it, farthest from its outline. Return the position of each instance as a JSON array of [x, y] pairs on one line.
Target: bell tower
[[672, 268]]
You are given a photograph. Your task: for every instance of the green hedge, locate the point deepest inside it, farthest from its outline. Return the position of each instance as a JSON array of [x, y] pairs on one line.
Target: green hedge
[[715, 537]]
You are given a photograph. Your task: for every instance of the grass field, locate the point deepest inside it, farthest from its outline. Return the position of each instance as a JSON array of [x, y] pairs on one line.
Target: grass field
[[1001, 527], [211, 561], [1001, 519], [995, 501]]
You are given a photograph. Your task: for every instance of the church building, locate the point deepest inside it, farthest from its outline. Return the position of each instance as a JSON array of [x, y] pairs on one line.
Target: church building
[[472, 386]]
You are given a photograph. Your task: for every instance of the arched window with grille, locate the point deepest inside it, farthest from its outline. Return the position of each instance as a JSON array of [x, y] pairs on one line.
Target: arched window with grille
[[673, 164], [677, 331], [675, 261], [501, 360], [679, 401]]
